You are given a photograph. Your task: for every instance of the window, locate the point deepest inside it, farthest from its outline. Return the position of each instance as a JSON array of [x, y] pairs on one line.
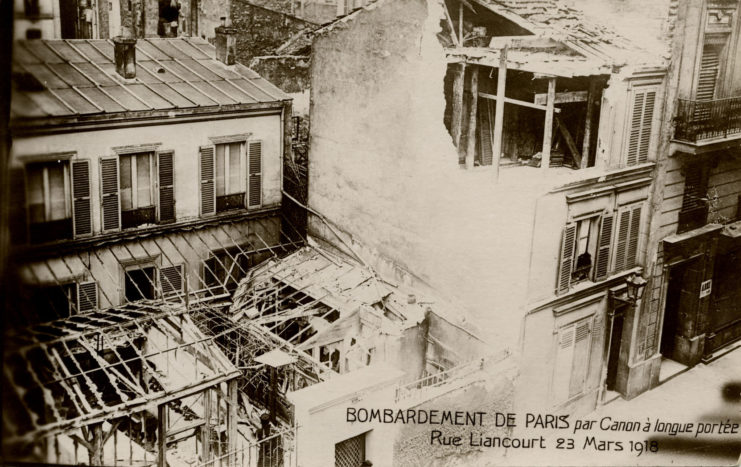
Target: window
[[640, 124], [230, 182], [48, 199], [574, 345], [593, 247], [231, 176], [330, 354], [225, 268], [694, 211], [136, 189], [139, 283], [64, 300], [129, 198]]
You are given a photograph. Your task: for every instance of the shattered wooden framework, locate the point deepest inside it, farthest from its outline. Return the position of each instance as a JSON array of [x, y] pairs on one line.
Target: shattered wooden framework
[[108, 364]]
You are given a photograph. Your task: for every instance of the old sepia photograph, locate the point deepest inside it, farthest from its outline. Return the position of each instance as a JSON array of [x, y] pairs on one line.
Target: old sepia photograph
[[355, 233]]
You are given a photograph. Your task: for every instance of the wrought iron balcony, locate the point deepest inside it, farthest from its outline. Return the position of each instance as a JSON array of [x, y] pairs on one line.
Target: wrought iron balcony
[[697, 121]]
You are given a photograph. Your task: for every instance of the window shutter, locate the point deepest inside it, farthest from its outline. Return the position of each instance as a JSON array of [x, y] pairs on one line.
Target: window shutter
[[708, 76], [81, 198], [87, 296], [18, 215], [633, 236], [567, 258], [485, 132], [254, 167], [602, 262], [580, 362], [635, 128], [208, 193], [639, 141], [564, 361], [171, 279], [648, 115], [166, 186], [111, 208]]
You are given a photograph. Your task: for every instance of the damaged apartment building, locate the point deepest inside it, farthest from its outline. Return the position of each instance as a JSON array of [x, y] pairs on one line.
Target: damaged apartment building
[[501, 152], [146, 182], [166, 311]]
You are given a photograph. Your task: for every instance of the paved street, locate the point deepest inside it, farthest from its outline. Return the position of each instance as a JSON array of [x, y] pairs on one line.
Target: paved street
[[708, 394]]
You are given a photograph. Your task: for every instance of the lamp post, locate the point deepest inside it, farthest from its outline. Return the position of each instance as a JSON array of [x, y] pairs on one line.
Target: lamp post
[[635, 286]]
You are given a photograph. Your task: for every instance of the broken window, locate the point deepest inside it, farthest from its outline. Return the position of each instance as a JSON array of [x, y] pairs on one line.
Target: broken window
[[139, 283], [330, 354], [49, 201], [225, 268]]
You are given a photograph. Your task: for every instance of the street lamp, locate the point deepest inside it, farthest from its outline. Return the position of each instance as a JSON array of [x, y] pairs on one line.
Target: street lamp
[[636, 285]]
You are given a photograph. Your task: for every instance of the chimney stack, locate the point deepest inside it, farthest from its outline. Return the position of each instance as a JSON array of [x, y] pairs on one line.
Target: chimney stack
[[124, 51], [226, 41]]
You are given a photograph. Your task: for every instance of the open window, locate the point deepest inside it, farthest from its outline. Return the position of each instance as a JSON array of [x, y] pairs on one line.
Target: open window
[[225, 268], [139, 283], [137, 189], [49, 201], [231, 176]]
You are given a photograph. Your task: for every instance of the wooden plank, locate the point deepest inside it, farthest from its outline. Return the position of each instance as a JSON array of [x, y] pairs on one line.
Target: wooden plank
[[499, 112], [456, 120], [473, 108], [508, 100], [569, 141], [499, 42], [548, 125], [591, 98], [162, 435], [453, 37], [231, 421], [563, 97]]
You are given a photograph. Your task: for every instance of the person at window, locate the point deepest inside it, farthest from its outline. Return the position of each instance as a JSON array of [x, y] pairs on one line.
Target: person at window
[[583, 266]]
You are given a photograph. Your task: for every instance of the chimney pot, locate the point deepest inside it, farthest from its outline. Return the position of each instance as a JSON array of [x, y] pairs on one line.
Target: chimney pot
[[411, 299], [226, 42], [124, 51]]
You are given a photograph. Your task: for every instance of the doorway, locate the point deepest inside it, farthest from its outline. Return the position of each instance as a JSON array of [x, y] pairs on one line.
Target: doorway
[[615, 342]]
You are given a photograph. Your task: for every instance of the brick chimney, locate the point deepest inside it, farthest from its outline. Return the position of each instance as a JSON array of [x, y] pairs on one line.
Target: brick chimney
[[124, 51], [226, 41]]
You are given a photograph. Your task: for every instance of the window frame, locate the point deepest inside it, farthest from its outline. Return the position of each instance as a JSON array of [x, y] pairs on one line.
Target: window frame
[[45, 164], [245, 141], [134, 179]]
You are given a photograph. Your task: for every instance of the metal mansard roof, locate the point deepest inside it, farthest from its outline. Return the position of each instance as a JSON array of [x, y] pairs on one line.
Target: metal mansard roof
[[78, 78]]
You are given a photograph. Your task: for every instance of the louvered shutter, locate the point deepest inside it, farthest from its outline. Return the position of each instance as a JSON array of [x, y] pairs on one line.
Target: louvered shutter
[[635, 128], [602, 263], [695, 188], [171, 279], [166, 176], [708, 76], [81, 198], [485, 132], [110, 199], [621, 244], [639, 141], [648, 115], [87, 296], [567, 258], [564, 361], [208, 192], [580, 362], [633, 236], [254, 171]]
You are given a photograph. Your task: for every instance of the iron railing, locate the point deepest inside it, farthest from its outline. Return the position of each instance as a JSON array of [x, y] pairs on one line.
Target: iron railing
[[429, 381], [702, 120]]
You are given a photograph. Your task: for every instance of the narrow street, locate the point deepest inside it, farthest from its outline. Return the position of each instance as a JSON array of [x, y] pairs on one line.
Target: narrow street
[[707, 393]]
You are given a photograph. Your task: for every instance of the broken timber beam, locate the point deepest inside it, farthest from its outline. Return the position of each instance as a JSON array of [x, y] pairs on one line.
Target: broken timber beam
[[591, 98], [499, 112], [563, 97], [456, 122], [162, 435], [548, 125], [569, 142], [472, 112], [509, 100]]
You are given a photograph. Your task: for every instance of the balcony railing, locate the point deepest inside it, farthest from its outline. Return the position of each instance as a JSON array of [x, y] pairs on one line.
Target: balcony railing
[[702, 120]]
